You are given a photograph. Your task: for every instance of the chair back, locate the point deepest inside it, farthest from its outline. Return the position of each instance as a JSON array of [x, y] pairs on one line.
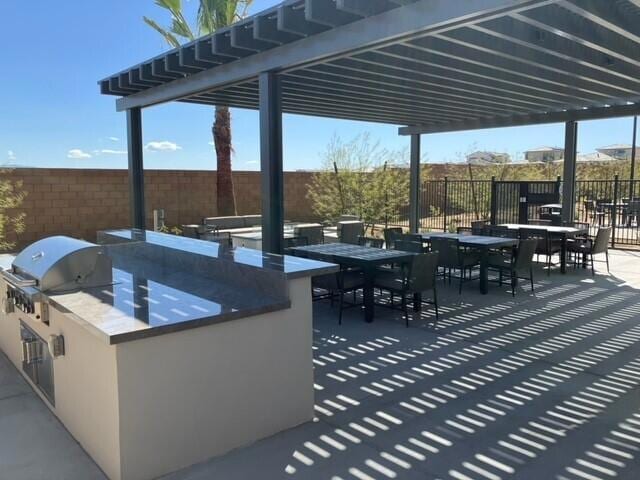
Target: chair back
[[370, 242], [422, 272], [349, 232], [477, 226], [496, 231], [540, 222], [601, 243], [409, 246], [296, 242], [448, 250], [633, 208], [466, 231], [313, 233], [525, 253], [390, 236]]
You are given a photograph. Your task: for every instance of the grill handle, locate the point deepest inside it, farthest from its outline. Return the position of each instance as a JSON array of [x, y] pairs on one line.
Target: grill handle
[[17, 281]]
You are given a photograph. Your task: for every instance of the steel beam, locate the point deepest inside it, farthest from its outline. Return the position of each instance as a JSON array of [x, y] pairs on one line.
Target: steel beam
[[422, 17], [532, 119], [414, 185], [569, 171], [271, 163], [136, 168]]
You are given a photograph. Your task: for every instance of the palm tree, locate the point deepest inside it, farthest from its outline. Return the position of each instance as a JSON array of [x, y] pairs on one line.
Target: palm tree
[[212, 15]]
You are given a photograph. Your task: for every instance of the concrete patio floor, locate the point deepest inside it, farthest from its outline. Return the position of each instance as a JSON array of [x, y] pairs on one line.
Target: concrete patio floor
[[531, 387]]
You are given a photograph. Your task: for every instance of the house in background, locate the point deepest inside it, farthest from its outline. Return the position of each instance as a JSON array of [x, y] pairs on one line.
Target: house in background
[[544, 154], [487, 158], [618, 152]]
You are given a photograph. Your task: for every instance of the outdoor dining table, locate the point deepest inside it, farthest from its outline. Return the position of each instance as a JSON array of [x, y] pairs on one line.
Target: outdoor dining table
[[564, 233], [367, 259], [483, 244]]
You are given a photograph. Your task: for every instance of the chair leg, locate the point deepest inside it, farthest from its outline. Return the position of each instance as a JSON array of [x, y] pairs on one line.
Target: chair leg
[[404, 310], [513, 283], [461, 280], [500, 278], [531, 277], [606, 254], [548, 264], [593, 270], [340, 308], [435, 302]]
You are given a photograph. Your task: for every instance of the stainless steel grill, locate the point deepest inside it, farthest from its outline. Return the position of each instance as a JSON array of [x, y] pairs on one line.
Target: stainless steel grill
[[54, 265]]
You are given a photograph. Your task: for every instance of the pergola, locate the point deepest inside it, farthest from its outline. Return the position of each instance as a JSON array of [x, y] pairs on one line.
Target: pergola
[[427, 65]]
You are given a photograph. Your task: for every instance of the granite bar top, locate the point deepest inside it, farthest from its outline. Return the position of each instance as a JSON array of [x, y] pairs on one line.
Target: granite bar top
[[292, 267], [158, 302]]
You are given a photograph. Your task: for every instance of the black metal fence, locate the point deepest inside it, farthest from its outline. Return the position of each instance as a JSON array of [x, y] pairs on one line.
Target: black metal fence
[[449, 204], [614, 203]]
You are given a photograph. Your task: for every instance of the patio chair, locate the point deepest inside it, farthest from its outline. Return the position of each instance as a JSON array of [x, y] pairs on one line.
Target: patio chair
[[477, 226], [592, 246], [632, 213], [451, 256], [499, 231], [546, 244], [370, 242], [521, 263], [295, 242], [589, 210], [601, 210], [419, 277], [313, 233], [406, 243], [337, 285], [350, 232], [466, 231], [223, 238], [390, 235]]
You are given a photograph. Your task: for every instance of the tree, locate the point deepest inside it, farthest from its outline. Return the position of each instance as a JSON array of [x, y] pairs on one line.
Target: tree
[[360, 178], [11, 220], [212, 15]]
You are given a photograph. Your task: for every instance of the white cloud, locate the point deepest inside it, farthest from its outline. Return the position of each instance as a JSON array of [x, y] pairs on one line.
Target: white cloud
[[11, 156], [251, 162], [163, 146], [108, 151], [114, 139], [76, 153]]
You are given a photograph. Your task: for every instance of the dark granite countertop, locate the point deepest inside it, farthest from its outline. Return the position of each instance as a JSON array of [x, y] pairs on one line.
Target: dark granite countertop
[[292, 267], [159, 302]]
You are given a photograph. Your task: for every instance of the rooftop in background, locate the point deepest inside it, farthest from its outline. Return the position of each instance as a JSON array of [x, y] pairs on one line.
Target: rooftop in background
[[438, 66]]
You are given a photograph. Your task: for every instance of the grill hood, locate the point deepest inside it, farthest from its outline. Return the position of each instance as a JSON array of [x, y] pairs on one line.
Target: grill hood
[[59, 264]]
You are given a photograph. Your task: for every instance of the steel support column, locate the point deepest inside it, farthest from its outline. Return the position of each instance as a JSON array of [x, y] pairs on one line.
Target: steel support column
[[414, 185], [136, 168], [271, 163], [569, 171]]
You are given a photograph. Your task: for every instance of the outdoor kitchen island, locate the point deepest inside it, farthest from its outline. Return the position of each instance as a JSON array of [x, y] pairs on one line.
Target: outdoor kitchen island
[[191, 350]]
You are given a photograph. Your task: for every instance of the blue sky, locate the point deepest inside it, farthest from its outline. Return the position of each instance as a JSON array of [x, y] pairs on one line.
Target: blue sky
[[52, 115]]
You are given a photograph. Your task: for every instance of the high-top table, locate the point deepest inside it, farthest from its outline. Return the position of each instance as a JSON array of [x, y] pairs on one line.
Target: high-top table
[[563, 233], [483, 244], [365, 258]]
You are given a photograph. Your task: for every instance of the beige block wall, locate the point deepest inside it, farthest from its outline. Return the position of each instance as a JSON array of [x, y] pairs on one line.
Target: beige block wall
[[79, 202]]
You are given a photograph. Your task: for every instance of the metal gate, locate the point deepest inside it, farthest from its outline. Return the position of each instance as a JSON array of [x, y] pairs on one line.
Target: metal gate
[[519, 202]]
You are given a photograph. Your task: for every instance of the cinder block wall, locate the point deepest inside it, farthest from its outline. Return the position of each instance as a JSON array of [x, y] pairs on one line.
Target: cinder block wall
[[79, 202]]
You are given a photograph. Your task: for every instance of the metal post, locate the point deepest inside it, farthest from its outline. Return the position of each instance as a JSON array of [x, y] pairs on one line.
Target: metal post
[[446, 196], [414, 185], [271, 162], [136, 168], [493, 200], [632, 175], [569, 171], [614, 209]]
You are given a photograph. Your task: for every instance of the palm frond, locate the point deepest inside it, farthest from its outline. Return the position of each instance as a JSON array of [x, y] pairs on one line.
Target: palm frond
[[168, 36]]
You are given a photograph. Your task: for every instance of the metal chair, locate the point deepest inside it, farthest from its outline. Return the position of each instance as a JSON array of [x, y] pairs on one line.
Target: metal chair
[[477, 226], [337, 285], [313, 233], [295, 242], [545, 244], [370, 242], [349, 232], [417, 278], [390, 235], [409, 245], [592, 246], [516, 265], [453, 257]]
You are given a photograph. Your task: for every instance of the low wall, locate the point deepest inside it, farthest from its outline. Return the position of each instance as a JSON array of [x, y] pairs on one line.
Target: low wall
[[79, 202]]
